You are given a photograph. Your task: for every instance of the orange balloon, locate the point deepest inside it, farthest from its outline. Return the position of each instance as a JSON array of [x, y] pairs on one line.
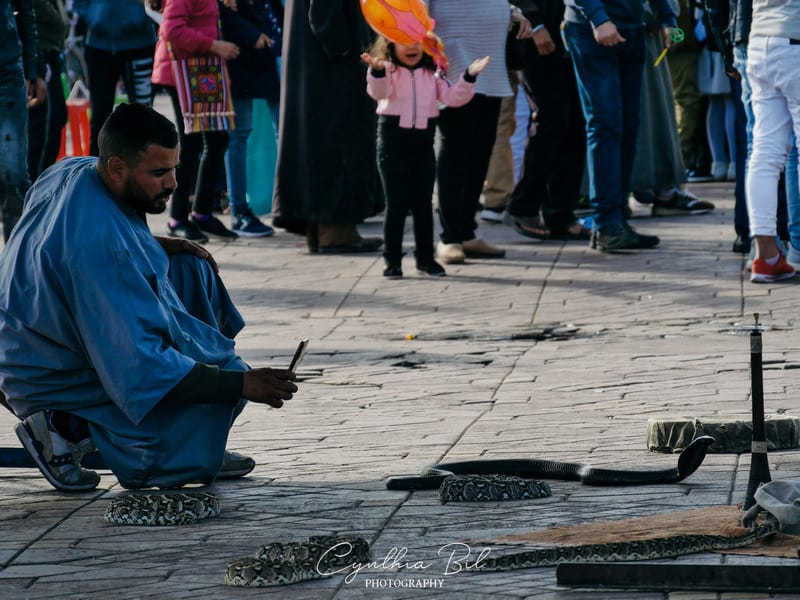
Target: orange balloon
[[405, 22]]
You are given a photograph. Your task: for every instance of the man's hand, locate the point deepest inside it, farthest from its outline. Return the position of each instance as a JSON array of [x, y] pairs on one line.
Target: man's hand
[[525, 29], [544, 43], [606, 34], [666, 36], [173, 245], [37, 92], [263, 41], [269, 386]]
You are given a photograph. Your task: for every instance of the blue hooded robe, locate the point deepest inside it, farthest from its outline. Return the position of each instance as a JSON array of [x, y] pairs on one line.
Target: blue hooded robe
[[92, 324]]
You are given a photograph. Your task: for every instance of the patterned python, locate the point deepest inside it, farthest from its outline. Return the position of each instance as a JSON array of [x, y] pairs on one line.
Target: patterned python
[[688, 462], [162, 508], [482, 488], [281, 564], [666, 547]]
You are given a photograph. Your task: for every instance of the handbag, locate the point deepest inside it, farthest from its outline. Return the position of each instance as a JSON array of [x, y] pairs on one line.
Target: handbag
[[204, 92], [711, 76]]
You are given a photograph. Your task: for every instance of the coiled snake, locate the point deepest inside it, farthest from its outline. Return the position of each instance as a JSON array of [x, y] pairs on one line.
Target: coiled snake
[[688, 462], [284, 563], [168, 508]]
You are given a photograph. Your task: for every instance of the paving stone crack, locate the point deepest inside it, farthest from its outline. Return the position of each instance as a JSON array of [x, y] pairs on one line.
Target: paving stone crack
[[50, 529]]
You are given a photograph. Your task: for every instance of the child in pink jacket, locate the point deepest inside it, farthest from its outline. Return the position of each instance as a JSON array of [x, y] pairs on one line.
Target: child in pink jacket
[[404, 81], [192, 29]]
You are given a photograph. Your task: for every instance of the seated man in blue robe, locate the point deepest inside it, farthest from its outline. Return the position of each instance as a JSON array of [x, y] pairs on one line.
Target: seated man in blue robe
[[117, 340]]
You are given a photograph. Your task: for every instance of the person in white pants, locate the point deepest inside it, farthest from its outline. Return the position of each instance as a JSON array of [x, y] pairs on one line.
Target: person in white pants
[[773, 53]]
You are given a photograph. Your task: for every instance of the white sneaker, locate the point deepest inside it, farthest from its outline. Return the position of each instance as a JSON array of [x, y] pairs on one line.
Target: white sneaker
[[492, 216], [450, 254]]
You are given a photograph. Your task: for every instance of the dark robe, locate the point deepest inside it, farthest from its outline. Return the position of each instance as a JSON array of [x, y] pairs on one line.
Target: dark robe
[[326, 170]]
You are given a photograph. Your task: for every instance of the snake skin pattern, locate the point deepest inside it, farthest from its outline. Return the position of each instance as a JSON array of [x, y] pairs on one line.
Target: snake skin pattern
[[482, 488], [286, 563], [639, 550], [162, 508]]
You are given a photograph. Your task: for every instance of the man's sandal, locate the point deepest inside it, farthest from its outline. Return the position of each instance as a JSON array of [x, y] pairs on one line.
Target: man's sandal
[[531, 227]]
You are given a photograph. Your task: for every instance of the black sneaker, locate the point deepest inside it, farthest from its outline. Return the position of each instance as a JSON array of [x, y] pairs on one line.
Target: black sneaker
[[212, 225], [392, 271], [699, 175], [432, 269], [645, 241], [741, 244], [235, 465], [187, 231], [616, 237], [680, 202]]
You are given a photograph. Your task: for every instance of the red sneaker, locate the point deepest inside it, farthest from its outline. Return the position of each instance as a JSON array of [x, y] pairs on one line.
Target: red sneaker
[[761, 272]]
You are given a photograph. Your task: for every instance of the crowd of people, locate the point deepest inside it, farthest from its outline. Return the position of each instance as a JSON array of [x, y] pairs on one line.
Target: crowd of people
[[611, 120]]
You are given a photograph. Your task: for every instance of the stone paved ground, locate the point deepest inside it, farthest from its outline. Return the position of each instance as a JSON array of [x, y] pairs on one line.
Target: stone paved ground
[[554, 352]]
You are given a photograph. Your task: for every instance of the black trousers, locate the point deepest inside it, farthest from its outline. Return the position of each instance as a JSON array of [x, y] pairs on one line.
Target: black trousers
[[467, 138], [202, 161], [407, 165], [46, 120], [555, 157], [104, 70]]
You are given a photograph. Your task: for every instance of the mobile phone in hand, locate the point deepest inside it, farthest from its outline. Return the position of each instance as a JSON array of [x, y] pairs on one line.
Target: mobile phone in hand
[[299, 354]]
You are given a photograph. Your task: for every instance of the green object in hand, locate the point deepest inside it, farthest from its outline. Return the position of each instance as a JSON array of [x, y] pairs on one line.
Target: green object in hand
[[677, 35]]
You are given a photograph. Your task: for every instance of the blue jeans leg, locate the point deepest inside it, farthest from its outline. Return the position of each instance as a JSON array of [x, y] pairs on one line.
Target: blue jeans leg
[[236, 156], [14, 182], [610, 87], [740, 222], [793, 195]]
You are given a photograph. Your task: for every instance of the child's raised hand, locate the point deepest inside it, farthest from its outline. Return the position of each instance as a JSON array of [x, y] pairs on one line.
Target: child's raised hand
[[375, 63], [478, 65]]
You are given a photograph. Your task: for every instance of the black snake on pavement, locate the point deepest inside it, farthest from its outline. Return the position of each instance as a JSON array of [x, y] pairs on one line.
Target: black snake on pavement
[[433, 477]]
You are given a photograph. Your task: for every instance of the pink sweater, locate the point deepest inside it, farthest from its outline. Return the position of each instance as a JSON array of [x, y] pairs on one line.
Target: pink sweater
[[414, 94], [191, 26]]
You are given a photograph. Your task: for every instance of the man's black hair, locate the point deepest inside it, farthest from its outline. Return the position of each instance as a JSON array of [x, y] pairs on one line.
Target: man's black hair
[[130, 129]]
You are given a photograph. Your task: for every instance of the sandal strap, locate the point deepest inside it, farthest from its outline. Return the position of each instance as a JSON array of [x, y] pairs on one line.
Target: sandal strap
[[62, 460]]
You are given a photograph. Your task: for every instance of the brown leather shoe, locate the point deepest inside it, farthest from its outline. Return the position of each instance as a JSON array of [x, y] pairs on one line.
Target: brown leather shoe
[[479, 248]]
